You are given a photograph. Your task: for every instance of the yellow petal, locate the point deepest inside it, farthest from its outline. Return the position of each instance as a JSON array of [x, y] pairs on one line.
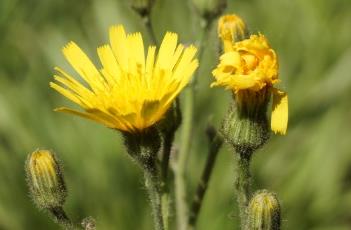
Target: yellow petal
[[88, 116], [240, 82], [119, 44], [167, 48], [136, 50], [111, 68], [279, 117], [82, 64]]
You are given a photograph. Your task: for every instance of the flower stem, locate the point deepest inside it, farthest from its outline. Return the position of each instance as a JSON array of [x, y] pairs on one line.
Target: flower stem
[[166, 152], [186, 133], [215, 143], [147, 22], [243, 185], [61, 218], [153, 188]]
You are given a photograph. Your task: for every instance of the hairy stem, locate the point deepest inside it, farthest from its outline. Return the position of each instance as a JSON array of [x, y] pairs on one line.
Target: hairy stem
[[153, 188], [166, 151], [243, 185], [61, 218], [215, 143]]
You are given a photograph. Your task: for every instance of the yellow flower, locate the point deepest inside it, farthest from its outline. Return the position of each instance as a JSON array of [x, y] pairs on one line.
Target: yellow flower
[[230, 28], [250, 69], [130, 92]]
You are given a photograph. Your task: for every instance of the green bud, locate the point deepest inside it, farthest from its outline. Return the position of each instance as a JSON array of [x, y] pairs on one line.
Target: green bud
[[142, 7], [210, 8], [143, 146], [246, 126], [264, 212], [45, 179]]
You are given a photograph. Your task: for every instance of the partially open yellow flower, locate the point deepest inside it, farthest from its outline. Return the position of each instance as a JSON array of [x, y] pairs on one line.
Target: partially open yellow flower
[[252, 66], [130, 92], [230, 28]]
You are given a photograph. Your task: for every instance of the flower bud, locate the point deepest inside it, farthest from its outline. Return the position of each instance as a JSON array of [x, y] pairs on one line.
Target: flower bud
[[45, 179], [142, 7], [231, 28], [264, 212], [245, 126], [210, 8]]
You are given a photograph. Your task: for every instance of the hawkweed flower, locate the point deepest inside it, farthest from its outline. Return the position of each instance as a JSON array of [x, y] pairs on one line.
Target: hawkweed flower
[[231, 28], [129, 93], [250, 71]]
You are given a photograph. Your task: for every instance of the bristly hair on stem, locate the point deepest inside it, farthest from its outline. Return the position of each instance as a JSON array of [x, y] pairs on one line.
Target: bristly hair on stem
[[60, 217], [243, 184]]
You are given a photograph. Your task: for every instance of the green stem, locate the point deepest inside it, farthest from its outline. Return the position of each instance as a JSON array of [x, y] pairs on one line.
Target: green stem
[[153, 187], [149, 27], [166, 152], [215, 143], [243, 185], [186, 133], [61, 218]]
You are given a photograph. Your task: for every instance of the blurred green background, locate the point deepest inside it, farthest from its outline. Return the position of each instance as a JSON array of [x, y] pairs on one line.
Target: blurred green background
[[309, 168]]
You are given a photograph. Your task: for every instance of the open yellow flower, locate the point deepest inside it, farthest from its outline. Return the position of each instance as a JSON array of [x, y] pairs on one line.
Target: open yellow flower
[[250, 70], [130, 92]]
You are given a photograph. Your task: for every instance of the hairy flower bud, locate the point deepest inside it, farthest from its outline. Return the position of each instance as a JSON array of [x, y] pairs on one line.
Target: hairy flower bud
[[264, 212], [45, 179], [210, 8], [245, 126]]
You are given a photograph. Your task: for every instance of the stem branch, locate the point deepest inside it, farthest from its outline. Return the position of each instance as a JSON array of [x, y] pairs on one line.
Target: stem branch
[[147, 22], [186, 133], [215, 143]]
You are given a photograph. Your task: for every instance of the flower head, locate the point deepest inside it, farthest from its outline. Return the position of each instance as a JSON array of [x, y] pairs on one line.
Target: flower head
[[130, 92], [250, 70]]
